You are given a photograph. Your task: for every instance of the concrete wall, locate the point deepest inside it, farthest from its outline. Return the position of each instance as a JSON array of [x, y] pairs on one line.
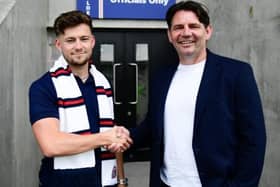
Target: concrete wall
[[250, 31], [6, 98], [23, 52]]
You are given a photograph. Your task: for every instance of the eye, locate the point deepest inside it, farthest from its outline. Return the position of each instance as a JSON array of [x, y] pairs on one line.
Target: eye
[[85, 38], [177, 27], [195, 26], [70, 40]]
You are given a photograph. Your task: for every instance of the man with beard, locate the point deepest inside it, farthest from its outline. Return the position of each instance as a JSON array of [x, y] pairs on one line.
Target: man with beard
[[71, 112]]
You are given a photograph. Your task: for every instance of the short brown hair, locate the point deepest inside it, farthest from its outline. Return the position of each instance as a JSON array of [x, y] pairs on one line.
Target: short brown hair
[[71, 19], [199, 9]]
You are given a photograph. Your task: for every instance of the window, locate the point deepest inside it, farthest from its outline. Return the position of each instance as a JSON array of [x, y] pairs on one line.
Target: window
[[107, 53], [142, 52]]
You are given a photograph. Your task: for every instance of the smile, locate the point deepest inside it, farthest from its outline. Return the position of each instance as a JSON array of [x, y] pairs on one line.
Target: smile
[[186, 42], [78, 54]]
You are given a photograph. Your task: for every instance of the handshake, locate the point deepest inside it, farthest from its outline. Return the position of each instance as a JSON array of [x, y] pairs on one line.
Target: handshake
[[117, 139]]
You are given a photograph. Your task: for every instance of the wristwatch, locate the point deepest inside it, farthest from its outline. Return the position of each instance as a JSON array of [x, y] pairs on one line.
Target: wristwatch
[[123, 181]]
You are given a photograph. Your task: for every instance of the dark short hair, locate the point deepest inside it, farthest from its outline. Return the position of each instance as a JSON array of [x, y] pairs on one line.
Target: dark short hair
[[71, 19], [199, 9]]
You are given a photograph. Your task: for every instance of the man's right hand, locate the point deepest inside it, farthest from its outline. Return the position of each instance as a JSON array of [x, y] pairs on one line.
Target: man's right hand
[[120, 139]]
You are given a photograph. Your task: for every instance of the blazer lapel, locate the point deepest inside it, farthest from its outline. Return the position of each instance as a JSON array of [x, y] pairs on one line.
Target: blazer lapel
[[165, 79], [207, 87]]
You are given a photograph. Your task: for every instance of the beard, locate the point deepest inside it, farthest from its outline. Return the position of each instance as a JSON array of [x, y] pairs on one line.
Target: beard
[[76, 60]]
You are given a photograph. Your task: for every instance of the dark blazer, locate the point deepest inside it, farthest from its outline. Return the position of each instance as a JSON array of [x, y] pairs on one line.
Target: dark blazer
[[229, 131]]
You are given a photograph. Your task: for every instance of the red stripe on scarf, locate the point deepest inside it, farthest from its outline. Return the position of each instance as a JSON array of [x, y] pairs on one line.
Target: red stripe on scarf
[[102, 91], [109, 92], [70, 102], [106, 122], [61, 71], [107, 155]]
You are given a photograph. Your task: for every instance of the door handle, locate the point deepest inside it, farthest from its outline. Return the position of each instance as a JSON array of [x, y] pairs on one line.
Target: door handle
[[115, 84], [136, 83], [118, 82]]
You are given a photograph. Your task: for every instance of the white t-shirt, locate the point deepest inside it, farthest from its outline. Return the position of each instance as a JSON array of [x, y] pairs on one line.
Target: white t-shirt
[[179, 166]]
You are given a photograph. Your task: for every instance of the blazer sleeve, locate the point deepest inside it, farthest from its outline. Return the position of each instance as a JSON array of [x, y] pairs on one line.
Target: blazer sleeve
[[141, 135], [250, 129]]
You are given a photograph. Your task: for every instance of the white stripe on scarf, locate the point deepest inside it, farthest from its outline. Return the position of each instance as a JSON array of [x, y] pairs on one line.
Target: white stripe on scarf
[[67, 88]]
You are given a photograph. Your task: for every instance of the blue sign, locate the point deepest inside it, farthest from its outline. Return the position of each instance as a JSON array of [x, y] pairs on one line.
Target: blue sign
[[125, 9], [90, 7]]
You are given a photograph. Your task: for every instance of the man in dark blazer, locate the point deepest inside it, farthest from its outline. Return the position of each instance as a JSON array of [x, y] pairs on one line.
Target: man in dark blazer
[[205, 122]]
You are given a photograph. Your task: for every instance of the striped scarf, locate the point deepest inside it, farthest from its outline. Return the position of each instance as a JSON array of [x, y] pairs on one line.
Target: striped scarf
[[72, 111]]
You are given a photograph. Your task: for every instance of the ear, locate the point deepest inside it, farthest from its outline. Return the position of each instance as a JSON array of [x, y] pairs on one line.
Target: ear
[[58, 44], [93, 41], [169, 35], [209, 31]]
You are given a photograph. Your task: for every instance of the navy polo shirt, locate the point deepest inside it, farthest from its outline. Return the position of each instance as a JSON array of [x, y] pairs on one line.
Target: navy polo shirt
[[42, 104]]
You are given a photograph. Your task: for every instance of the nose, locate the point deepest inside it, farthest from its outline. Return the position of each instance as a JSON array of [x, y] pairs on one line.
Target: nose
[[186, 31], [78, 44]]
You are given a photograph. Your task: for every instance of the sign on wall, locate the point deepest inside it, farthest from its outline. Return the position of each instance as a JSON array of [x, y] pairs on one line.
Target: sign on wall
[[125, 9]]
